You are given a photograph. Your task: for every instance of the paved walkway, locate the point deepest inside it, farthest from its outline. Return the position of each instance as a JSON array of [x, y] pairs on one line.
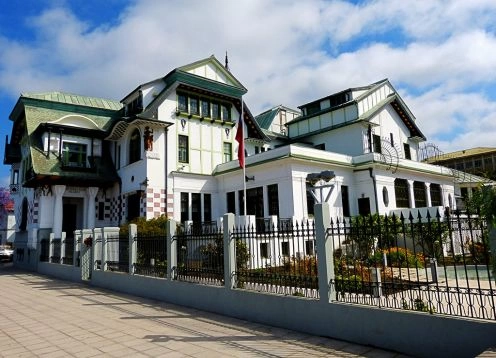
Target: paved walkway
[[46, 317]]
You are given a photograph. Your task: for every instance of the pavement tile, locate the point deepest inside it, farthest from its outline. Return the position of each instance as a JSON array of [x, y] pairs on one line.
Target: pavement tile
[[55, 318]]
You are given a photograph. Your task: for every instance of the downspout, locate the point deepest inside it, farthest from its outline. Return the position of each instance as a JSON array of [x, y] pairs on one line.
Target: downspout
[[371, 173], [166, 143]]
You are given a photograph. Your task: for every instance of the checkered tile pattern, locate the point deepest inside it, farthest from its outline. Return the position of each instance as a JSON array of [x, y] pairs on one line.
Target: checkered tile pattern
[[170, 205], [106, 210], [114, 210], [35, 211], [155, 203]]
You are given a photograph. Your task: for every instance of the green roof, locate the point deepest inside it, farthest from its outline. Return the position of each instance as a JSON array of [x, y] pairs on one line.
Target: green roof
[[49, 171], [265, 119], [37, 115], [78, 100]]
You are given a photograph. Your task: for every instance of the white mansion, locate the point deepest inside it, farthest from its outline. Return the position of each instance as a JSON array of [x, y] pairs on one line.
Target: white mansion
[[168, 148]]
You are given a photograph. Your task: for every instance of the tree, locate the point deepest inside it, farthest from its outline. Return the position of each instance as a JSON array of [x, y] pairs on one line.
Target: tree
[[6, 201], [483, 201]]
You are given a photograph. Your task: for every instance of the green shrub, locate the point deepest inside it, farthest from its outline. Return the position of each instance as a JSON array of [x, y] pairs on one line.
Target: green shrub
[[398, 257], [152, 227], [352, 283]]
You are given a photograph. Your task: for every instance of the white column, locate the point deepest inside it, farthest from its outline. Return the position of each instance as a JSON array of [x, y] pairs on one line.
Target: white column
[[91, 193], [428, 194], [411, 194], [58, 191]]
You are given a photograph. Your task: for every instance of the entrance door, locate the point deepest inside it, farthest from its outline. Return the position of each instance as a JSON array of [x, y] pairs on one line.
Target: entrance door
[[364, 206], [72, 219], [133, 206], [69, 220]]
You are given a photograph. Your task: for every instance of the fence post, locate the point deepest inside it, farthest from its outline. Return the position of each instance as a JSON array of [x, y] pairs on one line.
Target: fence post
[[325, 259], [104, 255], [62, 246], [76, 249], [229, 252], [133, 231], [171, 247], [50, 246], [97, 248]]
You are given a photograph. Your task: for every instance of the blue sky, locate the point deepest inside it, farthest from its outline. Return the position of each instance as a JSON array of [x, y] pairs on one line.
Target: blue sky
[[440, 55]]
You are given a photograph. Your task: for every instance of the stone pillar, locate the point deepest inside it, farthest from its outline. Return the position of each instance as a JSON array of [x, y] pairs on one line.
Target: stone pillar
[[428, 194], [411, 194], [325, 258], [171, 249], [58, 191], [110, 248], [229, 252], [62, 247], [50, 247], [91, 193], [97, 248], [133, 247]]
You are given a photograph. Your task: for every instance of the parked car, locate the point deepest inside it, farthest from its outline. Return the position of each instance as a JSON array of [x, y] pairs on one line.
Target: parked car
[[6, 253]]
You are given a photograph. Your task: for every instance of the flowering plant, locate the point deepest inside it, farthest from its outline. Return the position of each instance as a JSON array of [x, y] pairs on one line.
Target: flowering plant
[[88, 241]]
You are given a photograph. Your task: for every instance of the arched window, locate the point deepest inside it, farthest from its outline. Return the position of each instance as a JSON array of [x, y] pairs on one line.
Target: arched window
[[135, 146], [24, 215]]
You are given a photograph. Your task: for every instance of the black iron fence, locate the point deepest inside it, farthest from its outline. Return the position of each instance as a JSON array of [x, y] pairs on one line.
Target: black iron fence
[[68, 257], [151, 255], [200, 255], [436, 264], [278, 259], [56, 250], [117, 253]]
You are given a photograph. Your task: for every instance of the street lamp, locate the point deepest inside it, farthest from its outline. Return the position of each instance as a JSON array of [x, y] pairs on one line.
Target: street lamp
[[321, 178]]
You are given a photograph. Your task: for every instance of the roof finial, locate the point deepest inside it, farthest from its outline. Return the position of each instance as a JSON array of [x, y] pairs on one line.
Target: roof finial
[[227, 63]]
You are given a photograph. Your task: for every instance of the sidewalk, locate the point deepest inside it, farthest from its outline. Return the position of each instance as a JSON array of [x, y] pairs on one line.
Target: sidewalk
[[46, 317]]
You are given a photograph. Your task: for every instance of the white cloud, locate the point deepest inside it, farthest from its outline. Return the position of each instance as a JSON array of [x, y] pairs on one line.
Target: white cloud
[[284, 52]]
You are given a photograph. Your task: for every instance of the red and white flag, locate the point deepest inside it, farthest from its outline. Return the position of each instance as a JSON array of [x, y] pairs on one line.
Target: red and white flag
[[240, 138]]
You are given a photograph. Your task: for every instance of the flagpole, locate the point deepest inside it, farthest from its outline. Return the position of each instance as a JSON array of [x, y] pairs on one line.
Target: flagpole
[[244, 164]]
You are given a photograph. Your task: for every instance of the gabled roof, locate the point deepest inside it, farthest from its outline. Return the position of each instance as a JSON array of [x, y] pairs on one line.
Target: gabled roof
[[183, 74], [394, 100], [400, 108], [181, 79], [212, 60], [266, 118], [32, 109]]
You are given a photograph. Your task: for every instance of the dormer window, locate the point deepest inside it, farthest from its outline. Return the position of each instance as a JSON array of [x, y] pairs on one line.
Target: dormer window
[[74, 155], [136, 105]]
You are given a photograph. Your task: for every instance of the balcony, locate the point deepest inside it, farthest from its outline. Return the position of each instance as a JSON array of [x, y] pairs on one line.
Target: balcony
[[12, 153]]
